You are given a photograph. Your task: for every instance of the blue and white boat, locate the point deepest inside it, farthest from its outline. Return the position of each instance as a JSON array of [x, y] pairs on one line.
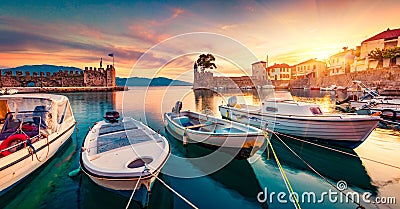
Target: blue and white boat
[[192, 127], [122, 154]]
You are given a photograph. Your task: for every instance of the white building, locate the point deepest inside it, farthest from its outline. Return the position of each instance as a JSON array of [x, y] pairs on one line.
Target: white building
[[279, 72], [258, 71]]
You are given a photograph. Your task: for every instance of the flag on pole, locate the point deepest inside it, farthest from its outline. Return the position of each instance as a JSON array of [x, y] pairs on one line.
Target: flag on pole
[[111, 55]]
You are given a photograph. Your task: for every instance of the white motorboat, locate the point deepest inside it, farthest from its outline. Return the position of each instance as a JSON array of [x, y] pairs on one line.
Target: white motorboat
[[34, 128], [122, 154], [236, 138], [372, 101], [283, 114]]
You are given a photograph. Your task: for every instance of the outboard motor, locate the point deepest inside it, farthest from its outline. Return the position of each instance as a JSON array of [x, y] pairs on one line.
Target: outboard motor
[[112, 116], [178, 107], [232, 101]]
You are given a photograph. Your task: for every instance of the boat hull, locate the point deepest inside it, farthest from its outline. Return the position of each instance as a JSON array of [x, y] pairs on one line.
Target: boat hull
[[19, 165], [244, 144], [342, 131], [119, 168]]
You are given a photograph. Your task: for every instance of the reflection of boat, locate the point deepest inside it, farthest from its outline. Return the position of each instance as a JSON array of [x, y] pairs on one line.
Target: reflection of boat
[[237, 175], [213, 131], [118, 154], [285, 115], [330, 164], [35, 127]]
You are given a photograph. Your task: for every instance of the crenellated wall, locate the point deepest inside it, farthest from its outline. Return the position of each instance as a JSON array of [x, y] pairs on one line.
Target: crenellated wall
[[86, 78]]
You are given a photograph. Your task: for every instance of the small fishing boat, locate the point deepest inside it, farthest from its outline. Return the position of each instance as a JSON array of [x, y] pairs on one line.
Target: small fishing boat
[[242, 140], [284, 115], [124, 155], [33, 128]]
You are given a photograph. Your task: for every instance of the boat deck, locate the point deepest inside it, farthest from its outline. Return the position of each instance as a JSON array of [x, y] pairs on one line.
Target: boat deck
[[121, 134]]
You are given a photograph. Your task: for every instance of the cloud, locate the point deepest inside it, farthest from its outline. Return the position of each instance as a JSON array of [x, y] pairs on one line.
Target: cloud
[[144, 33]]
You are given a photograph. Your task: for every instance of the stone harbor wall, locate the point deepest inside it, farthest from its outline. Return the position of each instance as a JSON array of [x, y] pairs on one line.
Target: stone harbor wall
[[90, 77], [386, 78]]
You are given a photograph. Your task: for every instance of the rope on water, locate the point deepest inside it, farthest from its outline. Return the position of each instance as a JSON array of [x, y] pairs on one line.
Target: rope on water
[[315, 171], [165, 184], [175, 192], [134, 189], [284, 177], [333, 149]]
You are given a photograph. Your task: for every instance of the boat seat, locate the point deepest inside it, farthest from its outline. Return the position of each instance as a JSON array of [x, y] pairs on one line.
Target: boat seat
[[183, 121], [39, 116]]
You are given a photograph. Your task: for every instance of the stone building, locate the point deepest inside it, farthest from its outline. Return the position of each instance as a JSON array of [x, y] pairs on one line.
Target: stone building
[[279, 72], [90, 77], [312, 67], [207, 80]]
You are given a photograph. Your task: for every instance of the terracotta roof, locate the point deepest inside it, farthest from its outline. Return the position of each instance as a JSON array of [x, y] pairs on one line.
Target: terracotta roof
[[310, 60], [388, 34], [283, 65]]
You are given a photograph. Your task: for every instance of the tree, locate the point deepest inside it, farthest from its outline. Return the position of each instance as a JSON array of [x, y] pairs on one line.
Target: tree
[[205, 61], [377, 55]]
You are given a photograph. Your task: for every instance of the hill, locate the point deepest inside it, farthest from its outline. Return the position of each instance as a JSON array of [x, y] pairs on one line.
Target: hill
[[160, 81], [41, 68]]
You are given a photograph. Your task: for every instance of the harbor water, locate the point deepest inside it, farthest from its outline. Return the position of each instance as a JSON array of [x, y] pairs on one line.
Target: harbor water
[[370, 171]]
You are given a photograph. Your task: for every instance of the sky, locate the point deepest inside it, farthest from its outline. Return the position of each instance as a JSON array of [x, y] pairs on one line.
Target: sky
[[164, 38]]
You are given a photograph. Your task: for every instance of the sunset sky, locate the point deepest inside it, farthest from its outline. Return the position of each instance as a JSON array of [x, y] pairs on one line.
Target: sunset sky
[[78, 33]]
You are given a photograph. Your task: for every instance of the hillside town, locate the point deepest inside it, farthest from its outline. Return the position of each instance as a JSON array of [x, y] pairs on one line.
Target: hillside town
[[375, 62]]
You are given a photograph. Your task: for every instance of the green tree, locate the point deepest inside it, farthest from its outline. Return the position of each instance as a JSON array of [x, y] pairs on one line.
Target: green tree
[[205, 61], [377, 55]]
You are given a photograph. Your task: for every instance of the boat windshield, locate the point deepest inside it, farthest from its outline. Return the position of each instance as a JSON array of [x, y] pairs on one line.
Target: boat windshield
[[279, 96]]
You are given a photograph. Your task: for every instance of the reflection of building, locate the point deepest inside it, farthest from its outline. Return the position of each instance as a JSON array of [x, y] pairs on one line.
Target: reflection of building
[[207, 80], [279, 72], [313, 68]]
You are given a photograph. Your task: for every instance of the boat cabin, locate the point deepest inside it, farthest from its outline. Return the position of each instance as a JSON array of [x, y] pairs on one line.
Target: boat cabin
[[283, 104]]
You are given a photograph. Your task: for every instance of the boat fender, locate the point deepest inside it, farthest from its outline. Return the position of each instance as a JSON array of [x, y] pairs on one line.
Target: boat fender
[[377, 113], [7, 143]]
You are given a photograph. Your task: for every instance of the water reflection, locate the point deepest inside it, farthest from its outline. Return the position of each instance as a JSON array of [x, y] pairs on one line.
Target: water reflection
[[333, 165], [237, 176]]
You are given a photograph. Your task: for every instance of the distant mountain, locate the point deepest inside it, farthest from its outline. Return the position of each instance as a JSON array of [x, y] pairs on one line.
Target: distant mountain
[[41, 68], [160, 81]]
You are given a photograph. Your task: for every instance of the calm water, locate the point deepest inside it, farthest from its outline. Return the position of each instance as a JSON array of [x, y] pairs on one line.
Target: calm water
[[236, 185]]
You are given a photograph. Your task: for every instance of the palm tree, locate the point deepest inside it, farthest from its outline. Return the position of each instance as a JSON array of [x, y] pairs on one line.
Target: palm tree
[[205, 61]]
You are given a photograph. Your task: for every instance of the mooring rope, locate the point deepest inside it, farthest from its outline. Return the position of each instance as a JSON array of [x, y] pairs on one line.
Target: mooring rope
[[335, 150], [314, 170], [284, 177], [175, 192], [134, 189], [165, 184]]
